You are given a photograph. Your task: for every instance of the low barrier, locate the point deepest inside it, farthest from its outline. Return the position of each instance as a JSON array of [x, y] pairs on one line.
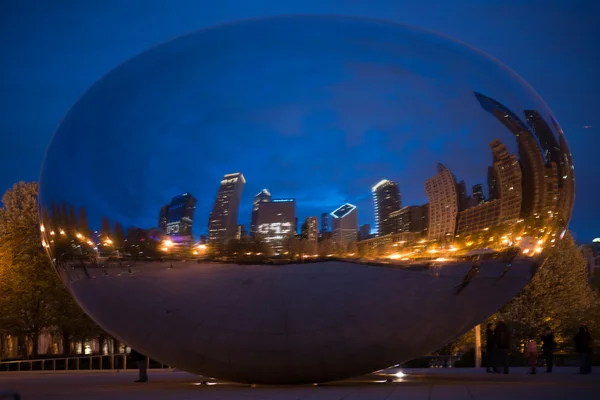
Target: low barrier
[[76, 363]]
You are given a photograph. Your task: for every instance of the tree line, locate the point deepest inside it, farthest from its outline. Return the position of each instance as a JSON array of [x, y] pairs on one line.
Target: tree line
[[33, 300]]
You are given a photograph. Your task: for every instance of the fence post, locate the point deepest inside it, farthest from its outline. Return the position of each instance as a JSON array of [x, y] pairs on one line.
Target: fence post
[[54, 365], [77, 363], [124, 362], [43, 364], [91, 360]]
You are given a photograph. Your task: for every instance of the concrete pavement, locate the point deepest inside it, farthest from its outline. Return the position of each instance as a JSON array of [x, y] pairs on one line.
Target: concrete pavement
[[420, 384]]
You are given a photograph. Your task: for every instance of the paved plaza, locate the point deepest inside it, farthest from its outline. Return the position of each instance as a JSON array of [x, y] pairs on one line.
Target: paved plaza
[[420, 384]]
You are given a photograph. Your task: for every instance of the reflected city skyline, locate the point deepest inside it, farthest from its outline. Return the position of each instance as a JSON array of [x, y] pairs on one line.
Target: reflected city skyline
[[530, 194]]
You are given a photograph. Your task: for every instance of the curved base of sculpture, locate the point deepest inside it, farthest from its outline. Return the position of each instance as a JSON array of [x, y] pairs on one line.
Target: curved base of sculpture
[[295, 323]]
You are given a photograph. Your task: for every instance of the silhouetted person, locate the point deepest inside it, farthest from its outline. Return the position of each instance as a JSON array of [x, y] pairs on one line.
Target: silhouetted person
[[548, 347], [490, 348], [503, 338], [531, 354], [583, 346], [142, 363], [468, 278]]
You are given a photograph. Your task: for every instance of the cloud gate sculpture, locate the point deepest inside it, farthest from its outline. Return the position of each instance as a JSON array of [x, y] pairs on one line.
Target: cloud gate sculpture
[[302, 199]]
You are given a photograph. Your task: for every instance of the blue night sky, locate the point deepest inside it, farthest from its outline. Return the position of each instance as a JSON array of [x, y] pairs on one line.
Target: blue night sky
[[54, 51]]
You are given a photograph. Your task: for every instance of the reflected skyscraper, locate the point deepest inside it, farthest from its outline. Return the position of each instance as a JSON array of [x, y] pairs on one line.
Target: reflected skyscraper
[[507, 173], [567, 191], [310, 228], [177, 217], [443, 204], [262, 197], [463, 196], [541, 170], [478, 196], [222, 222], [386, 199], [364, 232], [162, 218], [275, 222], [414, 219], [345, 224], [324, 222]]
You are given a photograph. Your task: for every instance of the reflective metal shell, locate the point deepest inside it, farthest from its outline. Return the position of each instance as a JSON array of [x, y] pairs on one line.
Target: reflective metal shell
[[155, 212]]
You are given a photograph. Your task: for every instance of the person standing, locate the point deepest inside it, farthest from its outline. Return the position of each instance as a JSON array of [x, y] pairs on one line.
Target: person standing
[[490, 348], [142, 363], [503, 338], [584, 349], [548, 347], [531, 354]]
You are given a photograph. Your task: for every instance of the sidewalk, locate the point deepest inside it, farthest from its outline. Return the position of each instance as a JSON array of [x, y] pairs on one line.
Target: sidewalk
[[433, 384]]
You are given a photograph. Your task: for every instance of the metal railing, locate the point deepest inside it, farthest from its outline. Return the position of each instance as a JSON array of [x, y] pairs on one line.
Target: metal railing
[[442, 361], [76, 363]]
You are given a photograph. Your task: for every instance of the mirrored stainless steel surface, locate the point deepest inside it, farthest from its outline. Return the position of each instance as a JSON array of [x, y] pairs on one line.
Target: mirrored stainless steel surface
[[207, 201]]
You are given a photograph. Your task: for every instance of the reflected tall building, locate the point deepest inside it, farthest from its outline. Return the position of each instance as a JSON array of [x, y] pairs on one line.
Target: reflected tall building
[[262, 197], [413, 219], [310, 228], [556, 156], [345, 224], [545, 164], [507, 173], [275, 222], [162, 218], [567, 191], [477, 196], [222, 222], [478, 217], [463, 195], [443, 204], [386, 199], [177, 217], [364, 232], [324, 223]]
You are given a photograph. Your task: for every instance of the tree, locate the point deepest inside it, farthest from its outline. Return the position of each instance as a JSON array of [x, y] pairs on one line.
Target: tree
[[310, 247], [29, 287], [326, 247], [119, 236], [82, 224], [558, 296], [72, 324], [352, 248], [32, 298]]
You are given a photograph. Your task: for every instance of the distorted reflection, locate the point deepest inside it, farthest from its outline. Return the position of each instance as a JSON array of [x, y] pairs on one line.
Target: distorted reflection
[[300, 199]]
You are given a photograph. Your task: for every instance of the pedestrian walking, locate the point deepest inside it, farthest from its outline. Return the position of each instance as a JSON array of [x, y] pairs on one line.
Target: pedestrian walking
[[583, 346], [490, 348], [548, 347], [142, 363], [503, 339], [531, 354]]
